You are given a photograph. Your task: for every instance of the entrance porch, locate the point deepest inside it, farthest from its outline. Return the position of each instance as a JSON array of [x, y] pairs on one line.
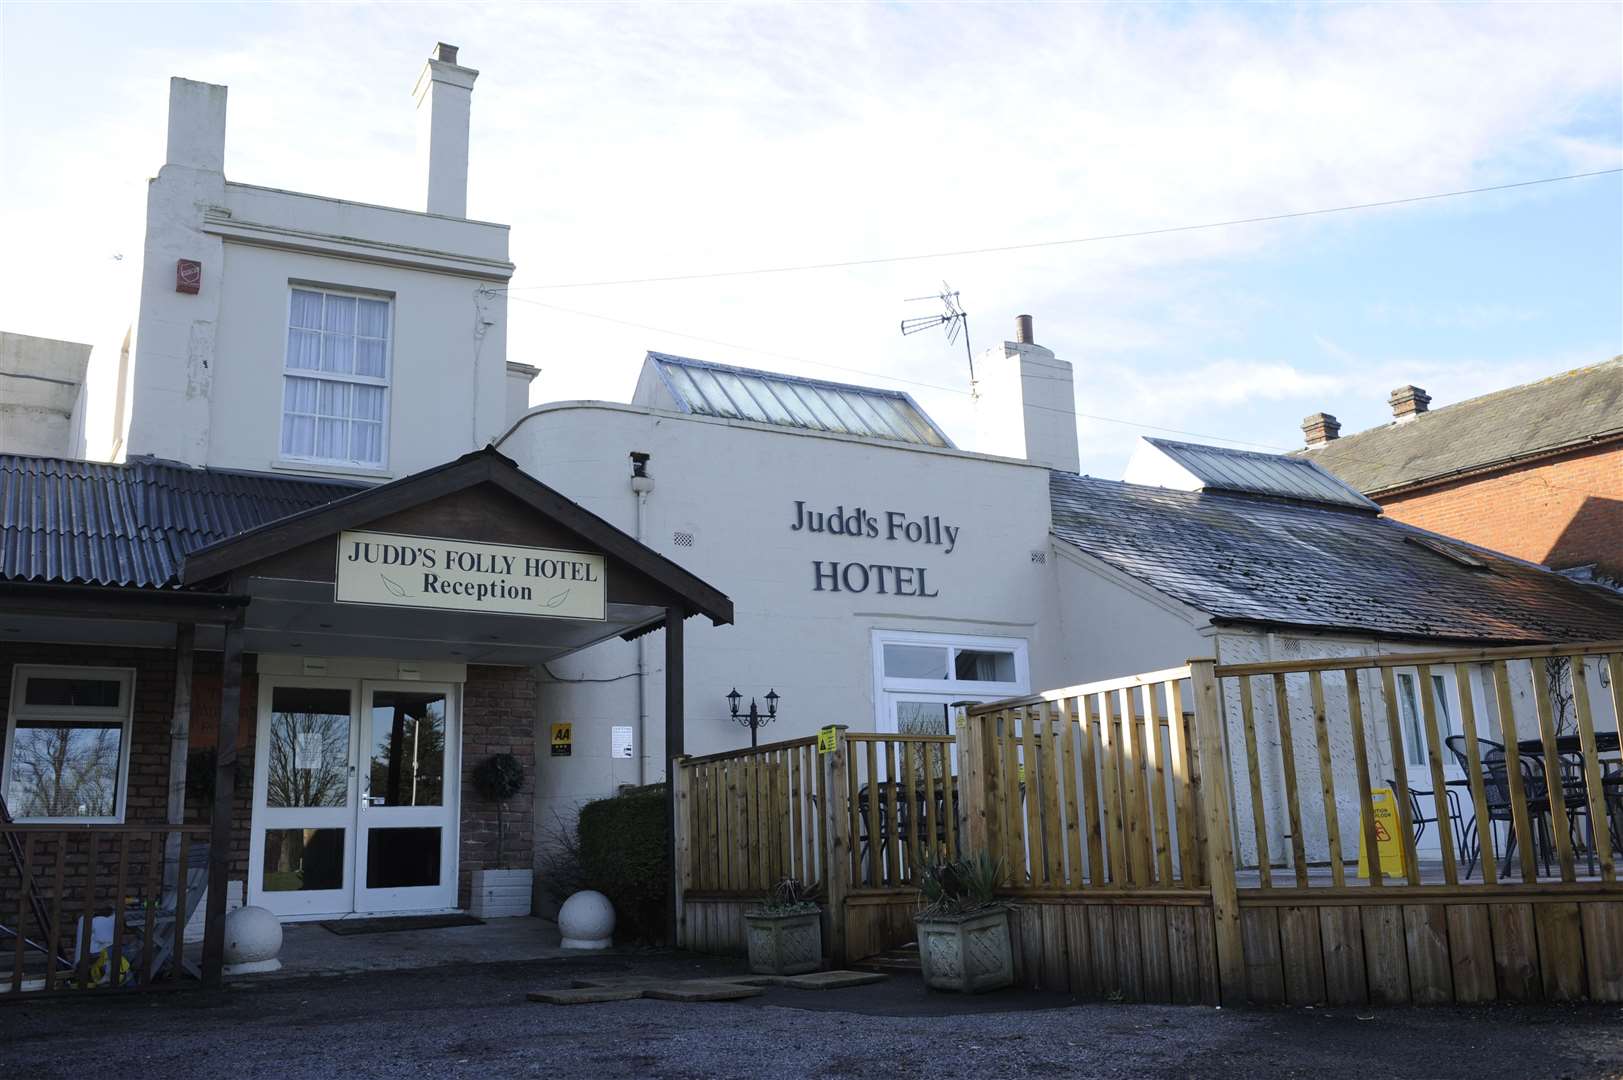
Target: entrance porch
[[285, 723]]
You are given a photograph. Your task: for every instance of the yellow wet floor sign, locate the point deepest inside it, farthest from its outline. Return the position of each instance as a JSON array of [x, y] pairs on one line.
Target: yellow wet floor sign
[[1388, 832]]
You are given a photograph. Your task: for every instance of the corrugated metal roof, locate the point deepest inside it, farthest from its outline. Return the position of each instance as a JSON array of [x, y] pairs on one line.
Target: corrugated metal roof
[[1240, 558], [768, 397], [1249, 472], [1563, 410], [89, 523]]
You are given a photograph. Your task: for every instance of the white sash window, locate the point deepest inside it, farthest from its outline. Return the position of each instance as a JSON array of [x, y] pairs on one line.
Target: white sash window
[[335, 391]]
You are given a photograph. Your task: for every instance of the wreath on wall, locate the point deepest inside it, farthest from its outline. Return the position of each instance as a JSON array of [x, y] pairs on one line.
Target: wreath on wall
[[498, 778]]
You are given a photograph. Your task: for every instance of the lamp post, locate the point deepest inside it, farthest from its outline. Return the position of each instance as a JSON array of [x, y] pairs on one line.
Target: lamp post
[[754, 718]]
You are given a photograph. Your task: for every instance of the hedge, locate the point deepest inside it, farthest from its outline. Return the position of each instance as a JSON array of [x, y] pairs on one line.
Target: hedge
[[623, 856]]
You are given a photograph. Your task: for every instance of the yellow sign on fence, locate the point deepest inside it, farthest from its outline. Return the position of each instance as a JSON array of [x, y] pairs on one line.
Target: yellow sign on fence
[[1388, 835], [826, 740]]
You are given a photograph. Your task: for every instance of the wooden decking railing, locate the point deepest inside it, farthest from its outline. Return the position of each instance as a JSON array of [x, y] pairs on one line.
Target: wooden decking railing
[[97, 907], [1194, 833], [752, 818], [1504, 761], [1093, 787]]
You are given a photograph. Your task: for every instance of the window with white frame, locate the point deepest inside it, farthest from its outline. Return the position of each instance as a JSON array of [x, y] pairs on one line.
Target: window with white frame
[[67, 743], [1411, 713], [335, 387], [918, 677]]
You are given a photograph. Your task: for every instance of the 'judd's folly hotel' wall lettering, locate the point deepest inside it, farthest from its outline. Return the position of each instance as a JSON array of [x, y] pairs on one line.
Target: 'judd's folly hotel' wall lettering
[[890, 525]]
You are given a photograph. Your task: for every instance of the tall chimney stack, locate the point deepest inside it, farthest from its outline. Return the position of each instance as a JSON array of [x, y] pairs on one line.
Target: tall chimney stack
[[1026, 403], [1407, 403], [1320, 428], [444, 96]]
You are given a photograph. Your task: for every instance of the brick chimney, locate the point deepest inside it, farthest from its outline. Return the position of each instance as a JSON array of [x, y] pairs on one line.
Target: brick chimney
[[1407, 403], [1320, 428], [444, 95]]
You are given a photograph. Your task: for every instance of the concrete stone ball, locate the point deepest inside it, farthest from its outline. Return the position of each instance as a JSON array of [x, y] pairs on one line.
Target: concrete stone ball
[[586, 921], [252, 935]]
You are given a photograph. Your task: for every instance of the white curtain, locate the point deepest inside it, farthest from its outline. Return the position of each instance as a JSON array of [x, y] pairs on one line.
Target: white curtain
[[335, 419]]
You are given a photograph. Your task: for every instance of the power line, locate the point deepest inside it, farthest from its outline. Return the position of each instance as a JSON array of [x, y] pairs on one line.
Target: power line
[[1270, 447], [1038, 244]]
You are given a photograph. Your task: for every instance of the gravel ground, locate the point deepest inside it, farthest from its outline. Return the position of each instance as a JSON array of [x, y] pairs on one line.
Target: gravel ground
[[474, 1022]]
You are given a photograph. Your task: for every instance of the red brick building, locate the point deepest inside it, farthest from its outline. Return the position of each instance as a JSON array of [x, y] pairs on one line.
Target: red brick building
[[1535, 471]]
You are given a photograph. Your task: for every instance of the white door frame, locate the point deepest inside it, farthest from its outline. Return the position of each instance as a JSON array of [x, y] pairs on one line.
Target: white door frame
[[353, 896], [294, 903], [446, 817]]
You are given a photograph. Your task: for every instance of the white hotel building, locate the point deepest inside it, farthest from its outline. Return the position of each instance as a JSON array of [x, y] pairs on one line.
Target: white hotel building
[[849, 554]]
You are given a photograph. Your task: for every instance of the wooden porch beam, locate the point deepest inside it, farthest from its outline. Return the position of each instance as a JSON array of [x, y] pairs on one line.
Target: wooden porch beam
[[180, 735], [675, 727], [225, 772]]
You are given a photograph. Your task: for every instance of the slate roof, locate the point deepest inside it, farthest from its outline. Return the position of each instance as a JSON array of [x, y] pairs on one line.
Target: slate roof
[[1565, 410], [1219, 468], [768, 397], [1241, 558], [89, 523]]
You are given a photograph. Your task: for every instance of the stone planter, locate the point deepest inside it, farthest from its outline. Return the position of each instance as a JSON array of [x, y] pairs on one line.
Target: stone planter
[[784, 944], [500, 894], [968, 954]]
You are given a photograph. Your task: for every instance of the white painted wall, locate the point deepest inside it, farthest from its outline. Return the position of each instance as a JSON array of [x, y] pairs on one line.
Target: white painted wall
[[203, 383], [733, 486], [40, 384]]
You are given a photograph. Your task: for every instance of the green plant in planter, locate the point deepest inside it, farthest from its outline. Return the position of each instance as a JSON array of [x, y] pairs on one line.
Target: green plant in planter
[[962, 886], [788, 897], [498, 778]]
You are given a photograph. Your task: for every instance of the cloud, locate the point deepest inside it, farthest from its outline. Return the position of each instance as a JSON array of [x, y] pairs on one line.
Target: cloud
[[639, 140]]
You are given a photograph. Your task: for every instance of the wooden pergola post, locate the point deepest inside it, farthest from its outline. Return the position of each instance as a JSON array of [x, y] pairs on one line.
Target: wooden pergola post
[[180, 727], [225, 774], [675, 727]]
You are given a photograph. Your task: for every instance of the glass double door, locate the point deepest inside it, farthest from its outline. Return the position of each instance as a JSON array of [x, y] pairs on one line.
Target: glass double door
[[355, 797]]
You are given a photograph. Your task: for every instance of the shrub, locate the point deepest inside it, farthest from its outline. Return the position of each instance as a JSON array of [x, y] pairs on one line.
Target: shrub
[[622, 851], [956, 887]]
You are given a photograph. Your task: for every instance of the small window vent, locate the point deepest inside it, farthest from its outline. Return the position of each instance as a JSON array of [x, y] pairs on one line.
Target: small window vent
[[682, 539], [1039, 557]]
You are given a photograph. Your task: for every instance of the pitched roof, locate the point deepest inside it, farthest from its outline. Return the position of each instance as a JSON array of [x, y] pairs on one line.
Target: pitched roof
[[484, 466], [1565, 410], [767, 397], [88, 523], [1218, 468], [1239, 558]]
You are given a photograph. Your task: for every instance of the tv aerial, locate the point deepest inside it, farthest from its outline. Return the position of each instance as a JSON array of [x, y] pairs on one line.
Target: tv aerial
[[954, 319]]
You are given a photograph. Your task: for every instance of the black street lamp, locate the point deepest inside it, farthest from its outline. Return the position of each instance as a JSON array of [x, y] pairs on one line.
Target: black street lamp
[[754, 718]]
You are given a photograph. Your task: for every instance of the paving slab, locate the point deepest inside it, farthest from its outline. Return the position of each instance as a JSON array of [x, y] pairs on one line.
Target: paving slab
[[692, 990], [832, 980], [623, 981], [584, 995]]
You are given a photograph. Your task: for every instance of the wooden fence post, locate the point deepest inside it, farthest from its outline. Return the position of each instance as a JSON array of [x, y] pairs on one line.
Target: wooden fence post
[[836, 831], [681, 847], [1214, 799], [972, 808]]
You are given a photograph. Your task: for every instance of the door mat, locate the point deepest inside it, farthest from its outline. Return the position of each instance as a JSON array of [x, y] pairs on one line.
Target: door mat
[[393, 923]]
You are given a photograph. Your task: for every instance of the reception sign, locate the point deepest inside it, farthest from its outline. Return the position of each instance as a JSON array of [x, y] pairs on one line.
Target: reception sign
[[463, 575]]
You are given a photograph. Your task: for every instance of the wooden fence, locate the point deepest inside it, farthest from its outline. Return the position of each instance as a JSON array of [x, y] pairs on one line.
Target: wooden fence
[[59, 883], [1193, 834]]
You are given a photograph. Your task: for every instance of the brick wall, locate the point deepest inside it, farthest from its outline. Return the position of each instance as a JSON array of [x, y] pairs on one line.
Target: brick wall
[[147, 786], [498, 716], [1565, 511]]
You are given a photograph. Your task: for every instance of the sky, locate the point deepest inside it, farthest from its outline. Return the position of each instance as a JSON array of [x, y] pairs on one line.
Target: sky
[[633, 141]]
